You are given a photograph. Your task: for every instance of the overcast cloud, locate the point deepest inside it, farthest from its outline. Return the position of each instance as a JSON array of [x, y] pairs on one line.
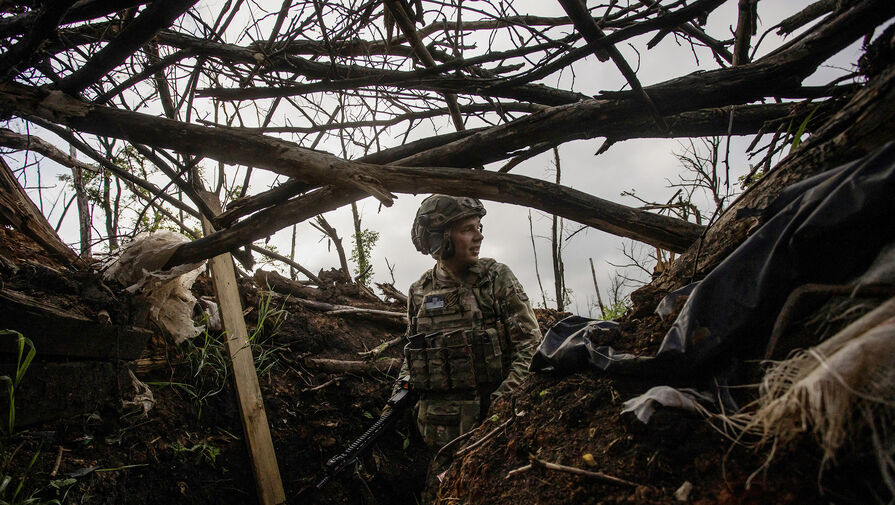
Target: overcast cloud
[[644, 165]]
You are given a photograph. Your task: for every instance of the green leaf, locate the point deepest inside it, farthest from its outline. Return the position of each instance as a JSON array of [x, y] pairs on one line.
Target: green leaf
[[797, 136], [60, 483]]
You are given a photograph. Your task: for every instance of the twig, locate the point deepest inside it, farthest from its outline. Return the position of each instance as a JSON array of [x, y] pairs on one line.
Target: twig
[[573, 470], [491, 434], [334, 380], [358, 311], [379, 349], [58, 462], [521, 469]]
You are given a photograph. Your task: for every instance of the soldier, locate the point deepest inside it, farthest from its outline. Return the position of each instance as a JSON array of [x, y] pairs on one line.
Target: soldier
[[471, 331]]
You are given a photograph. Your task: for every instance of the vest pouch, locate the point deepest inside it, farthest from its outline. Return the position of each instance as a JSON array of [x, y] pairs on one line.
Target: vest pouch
[[461, 367], [437, 363], [487, 348], [442, 420], [415, 356]]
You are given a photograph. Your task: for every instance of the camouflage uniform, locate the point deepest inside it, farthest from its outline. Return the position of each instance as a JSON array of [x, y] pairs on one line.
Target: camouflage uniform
[[488, 335]]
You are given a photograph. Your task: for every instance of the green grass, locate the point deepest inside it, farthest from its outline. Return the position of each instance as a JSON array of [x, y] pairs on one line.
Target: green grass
[[22, 364]]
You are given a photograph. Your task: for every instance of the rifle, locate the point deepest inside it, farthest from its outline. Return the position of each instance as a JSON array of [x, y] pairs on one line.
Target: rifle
[[401, 400]]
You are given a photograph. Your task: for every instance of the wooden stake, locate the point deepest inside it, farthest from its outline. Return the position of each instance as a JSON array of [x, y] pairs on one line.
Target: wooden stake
[[245, 378]]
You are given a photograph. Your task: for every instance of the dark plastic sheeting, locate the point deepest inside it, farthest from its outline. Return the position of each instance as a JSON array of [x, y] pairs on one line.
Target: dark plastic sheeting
[[825, 229]]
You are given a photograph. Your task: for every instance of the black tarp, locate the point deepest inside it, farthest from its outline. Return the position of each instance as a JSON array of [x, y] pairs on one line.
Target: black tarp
[[826, 229]]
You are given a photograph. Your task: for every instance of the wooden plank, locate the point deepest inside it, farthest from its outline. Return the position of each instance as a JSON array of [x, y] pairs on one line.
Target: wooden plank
[[248, 391], [56, 332]]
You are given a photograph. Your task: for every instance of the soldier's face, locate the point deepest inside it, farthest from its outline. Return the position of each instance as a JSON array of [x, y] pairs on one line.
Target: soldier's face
[[467, 237]]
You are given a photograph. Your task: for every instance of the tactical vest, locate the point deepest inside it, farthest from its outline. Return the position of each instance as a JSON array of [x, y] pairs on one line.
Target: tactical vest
[[458, 356]]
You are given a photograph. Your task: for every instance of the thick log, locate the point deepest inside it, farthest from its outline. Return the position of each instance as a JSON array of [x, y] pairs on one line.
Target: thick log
[[246, 205], [19, 211], [387, 366], [276, 282], [667, 233], [58, 333], [231, 146], [747, 119]]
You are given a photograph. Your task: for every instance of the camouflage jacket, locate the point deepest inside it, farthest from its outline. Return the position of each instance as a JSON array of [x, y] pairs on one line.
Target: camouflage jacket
[[503, 303]]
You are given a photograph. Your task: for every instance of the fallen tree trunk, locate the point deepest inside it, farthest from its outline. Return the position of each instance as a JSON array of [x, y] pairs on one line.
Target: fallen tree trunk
[[391, 291], [388, 366], [356, 180], [661, 231], [19, 211], [280, 284], [276, 282]]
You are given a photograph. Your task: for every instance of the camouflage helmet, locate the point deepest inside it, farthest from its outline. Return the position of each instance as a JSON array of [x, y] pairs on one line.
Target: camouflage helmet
[[430, 230]]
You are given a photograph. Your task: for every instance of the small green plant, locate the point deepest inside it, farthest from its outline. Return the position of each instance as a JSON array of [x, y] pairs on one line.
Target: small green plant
[[209, 367], [360, 254], [202, 452], [614, 311], [24, 361]]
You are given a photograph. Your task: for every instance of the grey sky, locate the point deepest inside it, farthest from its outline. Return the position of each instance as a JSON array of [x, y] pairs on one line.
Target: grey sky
[[644, 165]]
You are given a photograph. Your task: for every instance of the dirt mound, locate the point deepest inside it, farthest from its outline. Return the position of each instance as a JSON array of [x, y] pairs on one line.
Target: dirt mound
[[562, 439], [561, 419]]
